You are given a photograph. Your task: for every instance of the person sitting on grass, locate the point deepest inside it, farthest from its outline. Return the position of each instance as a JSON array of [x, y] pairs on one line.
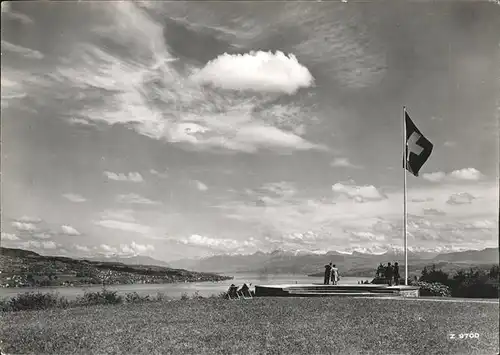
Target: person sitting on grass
[[244, 291], [232, 292]]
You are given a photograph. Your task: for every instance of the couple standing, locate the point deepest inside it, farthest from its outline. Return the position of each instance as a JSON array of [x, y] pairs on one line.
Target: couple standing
[[331, 274]]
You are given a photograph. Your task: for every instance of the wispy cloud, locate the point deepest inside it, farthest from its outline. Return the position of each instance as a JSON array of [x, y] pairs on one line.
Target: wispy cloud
[[75, 198], [23, 51], [135, 199], [159, 174], [461, 198], [132, 176], [200, 185], [124, 226], [343, 163], [69, 230]]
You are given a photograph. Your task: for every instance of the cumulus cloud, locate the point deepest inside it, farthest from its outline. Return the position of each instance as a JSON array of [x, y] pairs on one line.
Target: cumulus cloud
[[256, 71], [69, 230], [132, 249], [200, 186], [359, 193], [132, 176], [74, 198], [466, 174], [342, 163], [217, 243], [28, 219], [24, 227], [135, 248], [460, 198], [135, 199], [470, 174], [160, 103], [9, 236]]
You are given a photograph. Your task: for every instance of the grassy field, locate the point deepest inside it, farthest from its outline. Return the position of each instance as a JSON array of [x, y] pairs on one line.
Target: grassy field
[[258, 326]]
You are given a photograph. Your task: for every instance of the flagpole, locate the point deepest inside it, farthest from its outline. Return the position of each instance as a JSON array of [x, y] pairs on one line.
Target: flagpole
[[404, 196]]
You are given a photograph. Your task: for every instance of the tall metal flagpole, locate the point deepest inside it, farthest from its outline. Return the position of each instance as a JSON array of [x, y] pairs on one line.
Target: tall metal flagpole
[[404, 196]]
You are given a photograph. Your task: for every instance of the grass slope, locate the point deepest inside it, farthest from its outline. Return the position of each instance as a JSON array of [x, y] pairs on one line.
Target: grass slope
[[258, 326]]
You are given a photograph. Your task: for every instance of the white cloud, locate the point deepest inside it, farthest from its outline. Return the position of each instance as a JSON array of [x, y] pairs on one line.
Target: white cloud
[[466, 174], [69, 230], [82, 248], [157, 173], [42, 235], [433, 212], [120, 215], [460, 198], [257, 71], [25, 227], [183, 111], [74, 198], [33, 244], [9, 236], [434, 177], [343, 163], [218, 243], [135, 199], [135, 248], [124, 226], [28, 219], [359, 193], [200, 186], [132, 176], [23, 51]]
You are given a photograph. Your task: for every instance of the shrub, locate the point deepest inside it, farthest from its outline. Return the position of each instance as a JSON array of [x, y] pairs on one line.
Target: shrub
[[134, 297], [103, 297], [196, 296], [33, 301], [160, 296], [184, 296], [432, 289]]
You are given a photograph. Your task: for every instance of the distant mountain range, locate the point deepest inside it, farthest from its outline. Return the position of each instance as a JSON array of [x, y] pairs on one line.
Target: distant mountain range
[[355, 263], [129, 260]]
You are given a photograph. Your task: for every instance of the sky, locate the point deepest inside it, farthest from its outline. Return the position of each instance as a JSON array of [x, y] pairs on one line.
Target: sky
[[181, 130]]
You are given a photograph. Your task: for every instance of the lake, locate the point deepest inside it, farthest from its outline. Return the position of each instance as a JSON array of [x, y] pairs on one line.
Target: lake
[[175, 290]]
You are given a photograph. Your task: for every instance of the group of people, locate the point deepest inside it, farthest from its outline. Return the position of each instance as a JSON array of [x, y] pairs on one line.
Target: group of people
[[390, 273], [331, 274], [233, 291]]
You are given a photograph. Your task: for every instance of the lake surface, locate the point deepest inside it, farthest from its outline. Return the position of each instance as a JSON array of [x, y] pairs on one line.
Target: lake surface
[[176, 290]]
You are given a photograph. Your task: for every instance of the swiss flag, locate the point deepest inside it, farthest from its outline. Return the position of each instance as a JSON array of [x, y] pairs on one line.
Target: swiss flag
[[418, 148]]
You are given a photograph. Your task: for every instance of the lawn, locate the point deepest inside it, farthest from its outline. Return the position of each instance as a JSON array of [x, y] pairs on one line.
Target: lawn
[[258, 326]]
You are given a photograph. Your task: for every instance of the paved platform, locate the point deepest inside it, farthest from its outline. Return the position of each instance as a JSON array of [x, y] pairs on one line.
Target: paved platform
[[320, 290]]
